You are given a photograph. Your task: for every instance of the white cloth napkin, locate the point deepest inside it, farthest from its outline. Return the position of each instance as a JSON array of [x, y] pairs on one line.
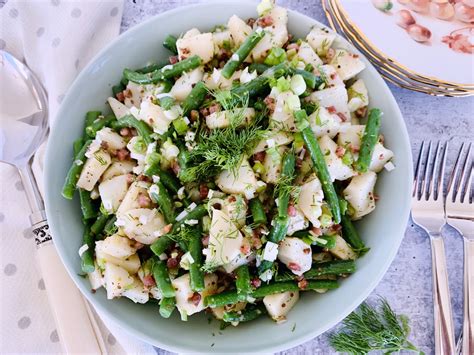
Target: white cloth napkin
[[55, 39]]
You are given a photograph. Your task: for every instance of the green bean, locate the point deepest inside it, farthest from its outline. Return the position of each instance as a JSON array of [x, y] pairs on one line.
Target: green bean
[[250, 313], [91, 116], [244, 50], [87, 206], [165, 241], [323, 241], [170, 44], [264, 266], [110, 227], [319, 164], [98, 124], [336, 267], [222, 299], [260, 85], [258, 211], [167, 306], [99, 225], [142, 128], [87, 257], [279, 229], [151, 68], [243, 281], [276, 287], [259, 67], [77, 145], [312, 81], [162, 278], [167, 178], [195, 98], [167, 72], [321, 285], [164, 201], [350, 234], [195, 273], [369, 140], [74, 172], [286, 179]]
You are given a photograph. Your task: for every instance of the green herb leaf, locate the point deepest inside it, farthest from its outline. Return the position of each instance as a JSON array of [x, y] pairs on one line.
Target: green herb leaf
[[372, 328]]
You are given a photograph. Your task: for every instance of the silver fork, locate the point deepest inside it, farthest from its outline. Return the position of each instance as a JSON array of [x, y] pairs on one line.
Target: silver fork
[[460, 215], [427, 211]]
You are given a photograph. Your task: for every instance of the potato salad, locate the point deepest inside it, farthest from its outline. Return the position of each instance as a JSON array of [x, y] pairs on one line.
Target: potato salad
[[227, 179]]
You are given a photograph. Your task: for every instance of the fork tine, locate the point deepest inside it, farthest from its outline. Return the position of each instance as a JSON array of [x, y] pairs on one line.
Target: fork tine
[[434, 173], [441, 173], [454, 176], [426, 175], [465, 176], [418, 169]]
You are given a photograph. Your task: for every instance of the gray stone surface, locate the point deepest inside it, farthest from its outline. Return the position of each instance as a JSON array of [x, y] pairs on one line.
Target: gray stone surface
[[407, 284]]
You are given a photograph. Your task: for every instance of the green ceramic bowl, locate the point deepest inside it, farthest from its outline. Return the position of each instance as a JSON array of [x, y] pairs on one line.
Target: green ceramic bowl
[[314, 314]]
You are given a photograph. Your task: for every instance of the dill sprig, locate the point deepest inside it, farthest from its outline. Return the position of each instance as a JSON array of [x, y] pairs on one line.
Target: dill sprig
[[223, 149], [183, 234], [373, 328]]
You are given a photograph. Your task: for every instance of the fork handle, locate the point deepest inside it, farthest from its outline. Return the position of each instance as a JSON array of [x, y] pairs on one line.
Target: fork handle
[[443, 318], [468, 322]]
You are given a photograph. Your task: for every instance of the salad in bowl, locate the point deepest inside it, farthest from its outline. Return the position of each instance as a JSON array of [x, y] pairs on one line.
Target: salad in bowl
[[227, 179]]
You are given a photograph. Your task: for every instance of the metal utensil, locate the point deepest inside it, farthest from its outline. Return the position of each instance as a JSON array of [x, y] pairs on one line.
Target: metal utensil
[[428, 213], [24, 126], [460, 215]]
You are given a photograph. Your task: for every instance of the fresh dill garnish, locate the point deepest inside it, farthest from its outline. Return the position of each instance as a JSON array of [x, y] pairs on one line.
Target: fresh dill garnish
[[183, 234], [373, 328], [223, 149], [210, 267]]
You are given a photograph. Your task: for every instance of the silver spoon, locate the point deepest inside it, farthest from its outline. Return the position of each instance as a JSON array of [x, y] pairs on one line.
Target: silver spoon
[[23, 128]]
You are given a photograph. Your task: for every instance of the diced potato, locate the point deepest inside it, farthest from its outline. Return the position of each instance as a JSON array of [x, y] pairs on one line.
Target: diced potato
[[155, 116], [351, 135], [275, 36], [113, 191], [324, 123], [360, 194], [135, 94], [272, 166], [95, 278], [331, 76], [118, 168], [217, 81], [308, 55], [235, 207], [219, 311], [310, 200], [347, 65], [282, 118], [222, 119], [239, 30], [343, 250], [380, 157], [279, 304], [136, 291], [131, 264], [238, 261], [297, 222], [192, 33], [185, 83], [184, 294], [220, 37], [118, 246], [143, 225], [116, 279], [130, 201], [336, 167], [201, 45], [295, 254], [118, 108], [241, 181], [358, 95], [275, 136], [93, 169], [321, 40], [335, 96], [225, 240]]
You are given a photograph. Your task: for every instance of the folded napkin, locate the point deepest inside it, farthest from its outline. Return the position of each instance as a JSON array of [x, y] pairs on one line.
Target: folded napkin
[[56, 39]]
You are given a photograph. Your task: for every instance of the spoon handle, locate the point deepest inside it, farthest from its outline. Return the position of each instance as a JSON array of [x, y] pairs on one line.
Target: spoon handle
[[78, 330]]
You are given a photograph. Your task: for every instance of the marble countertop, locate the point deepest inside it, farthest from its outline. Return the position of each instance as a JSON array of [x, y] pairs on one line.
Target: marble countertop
[[407, 284]]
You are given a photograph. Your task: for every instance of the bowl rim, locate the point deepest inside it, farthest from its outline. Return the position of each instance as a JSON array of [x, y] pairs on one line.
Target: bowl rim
[[117, 320]]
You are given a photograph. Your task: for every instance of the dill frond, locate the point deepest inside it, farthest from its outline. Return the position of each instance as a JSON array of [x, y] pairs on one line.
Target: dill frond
[[372, 328]]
